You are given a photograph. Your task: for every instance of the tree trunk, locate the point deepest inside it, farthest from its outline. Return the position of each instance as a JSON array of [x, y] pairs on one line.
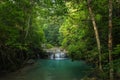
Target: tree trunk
[[110, 40], [28, 26], [96, 33]]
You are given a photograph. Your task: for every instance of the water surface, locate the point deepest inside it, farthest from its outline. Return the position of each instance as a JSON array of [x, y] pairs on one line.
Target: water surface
[[52, 70]]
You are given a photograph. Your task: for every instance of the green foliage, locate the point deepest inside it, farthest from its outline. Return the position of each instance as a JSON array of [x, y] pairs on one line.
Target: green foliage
[[48, 46], [116, 62], [21, 36], [51, 34], [74, 51], [117, 50], [25, 25], [77, 33]]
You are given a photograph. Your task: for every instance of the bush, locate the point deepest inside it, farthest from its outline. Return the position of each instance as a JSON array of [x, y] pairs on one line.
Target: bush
[[49, 46]]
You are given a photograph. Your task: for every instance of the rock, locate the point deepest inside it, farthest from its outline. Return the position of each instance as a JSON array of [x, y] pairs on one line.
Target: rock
[[30, 61], [86, 78]]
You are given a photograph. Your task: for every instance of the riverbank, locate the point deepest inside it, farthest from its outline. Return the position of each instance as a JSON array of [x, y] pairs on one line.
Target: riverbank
[[8, 75]]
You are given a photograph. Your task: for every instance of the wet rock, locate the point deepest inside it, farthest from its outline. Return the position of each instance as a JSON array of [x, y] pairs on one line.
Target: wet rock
[[30, 61]]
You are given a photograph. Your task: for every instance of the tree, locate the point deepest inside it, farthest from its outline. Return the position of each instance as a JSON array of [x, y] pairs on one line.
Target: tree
[[96, 33], [21, 35], [110, 40]]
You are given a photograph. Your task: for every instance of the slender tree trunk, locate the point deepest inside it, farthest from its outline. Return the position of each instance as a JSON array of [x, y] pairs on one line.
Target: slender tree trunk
[[28, 26], [110, 40], [96, 33]]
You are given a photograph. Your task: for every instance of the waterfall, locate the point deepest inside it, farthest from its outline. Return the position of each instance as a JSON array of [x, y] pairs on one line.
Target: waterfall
[[58, 55]]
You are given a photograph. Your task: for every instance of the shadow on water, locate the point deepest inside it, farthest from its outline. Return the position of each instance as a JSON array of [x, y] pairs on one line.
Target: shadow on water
[[47, 69]]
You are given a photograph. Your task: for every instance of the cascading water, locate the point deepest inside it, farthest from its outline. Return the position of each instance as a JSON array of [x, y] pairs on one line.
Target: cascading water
[[58, 55]]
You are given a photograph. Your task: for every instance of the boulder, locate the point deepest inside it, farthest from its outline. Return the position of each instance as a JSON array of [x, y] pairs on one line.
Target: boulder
[[30, 61]]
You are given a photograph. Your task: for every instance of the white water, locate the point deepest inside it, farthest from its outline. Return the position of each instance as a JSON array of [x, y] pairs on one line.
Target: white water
[[58, 55]]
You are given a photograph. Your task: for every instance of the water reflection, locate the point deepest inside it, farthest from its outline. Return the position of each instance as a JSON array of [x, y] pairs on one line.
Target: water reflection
[[52, 70], [59, 70]]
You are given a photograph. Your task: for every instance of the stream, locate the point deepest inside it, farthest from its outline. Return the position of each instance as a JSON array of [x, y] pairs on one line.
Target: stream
[[57, 68]]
